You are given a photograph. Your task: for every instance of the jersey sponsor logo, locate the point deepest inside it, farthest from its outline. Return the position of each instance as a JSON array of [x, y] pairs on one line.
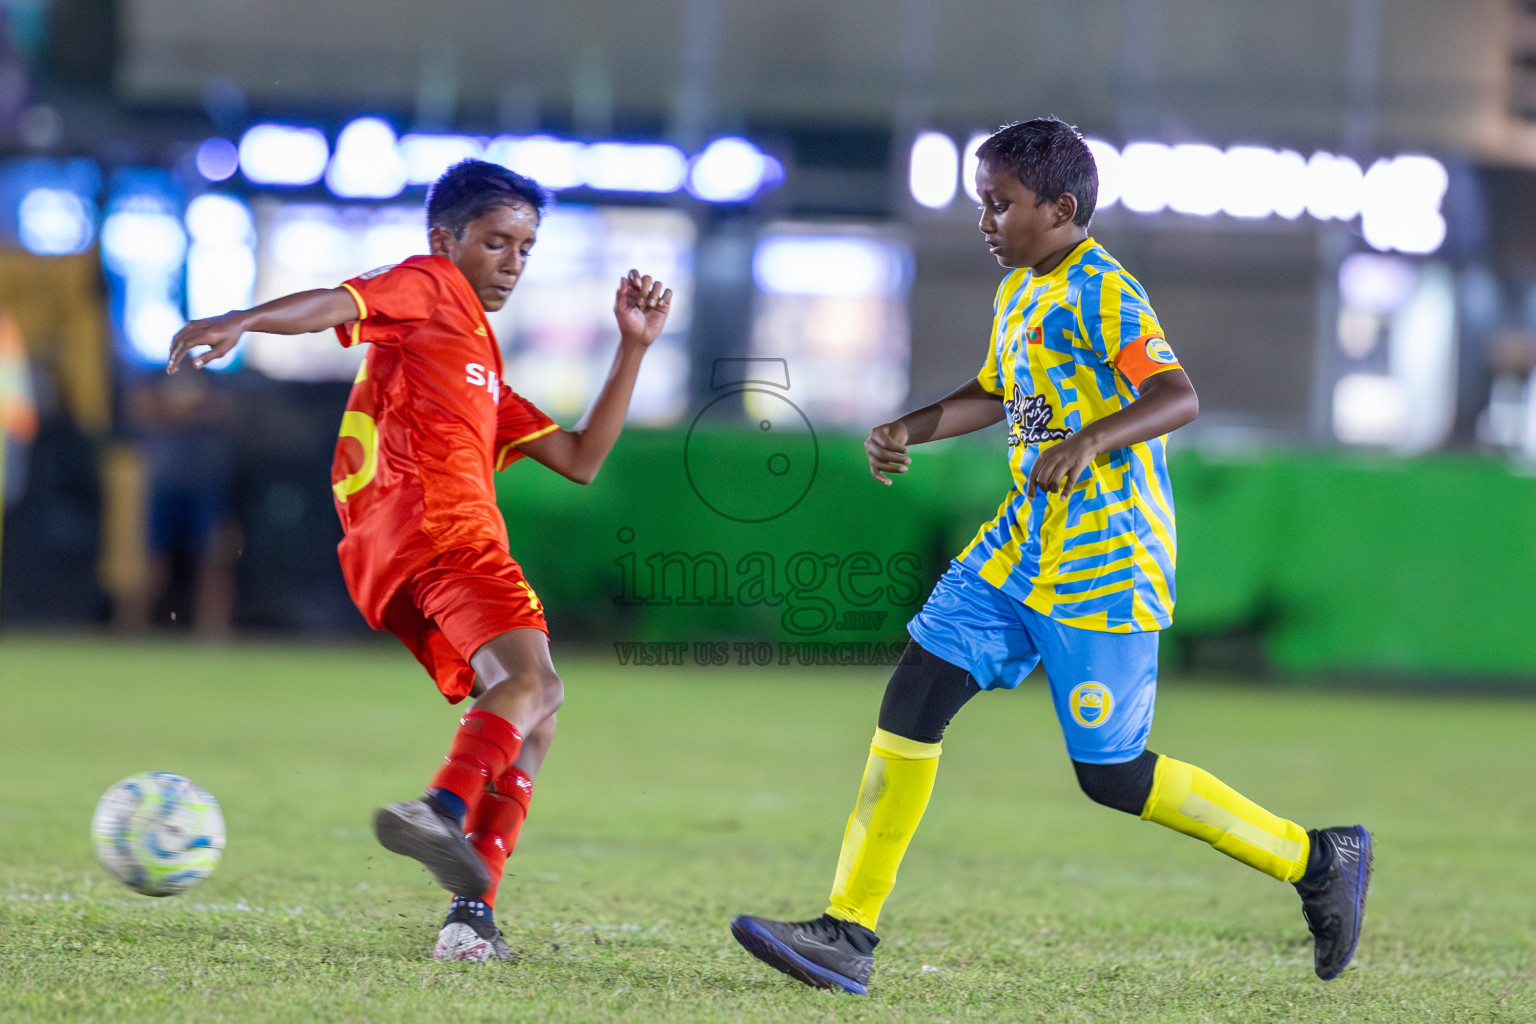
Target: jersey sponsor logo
[[376, 271], [483, 377], [1034, 335], [1091, 704], [1030, 416], [1159, 351]]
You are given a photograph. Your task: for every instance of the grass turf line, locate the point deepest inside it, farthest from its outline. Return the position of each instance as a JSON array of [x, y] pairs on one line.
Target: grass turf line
[[676, 798]]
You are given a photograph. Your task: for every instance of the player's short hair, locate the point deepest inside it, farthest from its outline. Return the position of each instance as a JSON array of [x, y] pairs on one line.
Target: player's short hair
[[471, 188], [1050, 158]]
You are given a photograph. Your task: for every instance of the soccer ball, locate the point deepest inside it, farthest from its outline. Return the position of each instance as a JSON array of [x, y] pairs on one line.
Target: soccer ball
[[158, 833]]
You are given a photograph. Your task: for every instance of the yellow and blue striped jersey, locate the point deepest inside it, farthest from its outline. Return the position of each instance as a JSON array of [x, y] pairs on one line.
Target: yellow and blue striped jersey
[[1069, 347]]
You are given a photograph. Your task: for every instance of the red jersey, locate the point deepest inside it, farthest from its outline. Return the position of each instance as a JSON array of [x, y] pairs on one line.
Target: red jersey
[[428, 423]]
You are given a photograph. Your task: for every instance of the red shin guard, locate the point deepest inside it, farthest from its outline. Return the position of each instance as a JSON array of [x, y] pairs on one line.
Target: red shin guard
[[495, 822], [483, 748]]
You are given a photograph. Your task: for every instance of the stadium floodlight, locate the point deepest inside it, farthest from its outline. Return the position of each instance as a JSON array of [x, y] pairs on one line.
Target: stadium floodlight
[[1249, 185], [633, 167], [1146, 176], [280, 154], [934, 170], [1381, 208], [55, 222], [217, 159], [1107, 159], [1334, 187], [1369, 408], [310, 240], [1420, 232], [428, 156], [1401, 208], [141, 240], [1196, 179], [554, 163], [829, 265], [144, 248], [1398, 201], [1421, 180], [150, 324], [393, 233], [221, 261], [1375, 283], [220, 277], [728, 170], [367, 163], [968, 163], [1289, 184], [218, 219]]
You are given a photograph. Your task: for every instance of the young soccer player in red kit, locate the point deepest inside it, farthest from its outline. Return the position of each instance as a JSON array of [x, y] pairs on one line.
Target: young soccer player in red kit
[[425, 553]]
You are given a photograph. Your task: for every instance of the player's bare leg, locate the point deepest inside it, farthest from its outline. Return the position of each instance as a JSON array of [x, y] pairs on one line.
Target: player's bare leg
[[536, 748], [520, 691], [516, 680]]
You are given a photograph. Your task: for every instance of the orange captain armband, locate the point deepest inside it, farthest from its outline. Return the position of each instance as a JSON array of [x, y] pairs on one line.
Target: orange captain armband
[[1141, 357]]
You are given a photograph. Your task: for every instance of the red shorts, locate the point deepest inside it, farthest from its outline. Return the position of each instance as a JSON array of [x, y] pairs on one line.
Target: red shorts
[[448, 610]]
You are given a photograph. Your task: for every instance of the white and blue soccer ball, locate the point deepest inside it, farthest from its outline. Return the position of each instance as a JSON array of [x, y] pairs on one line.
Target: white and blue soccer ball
[[158, 833]]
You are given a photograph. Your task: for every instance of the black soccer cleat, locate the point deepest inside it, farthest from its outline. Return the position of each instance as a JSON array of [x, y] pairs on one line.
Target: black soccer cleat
[[824, 953], [413, 829], [1333, 895]]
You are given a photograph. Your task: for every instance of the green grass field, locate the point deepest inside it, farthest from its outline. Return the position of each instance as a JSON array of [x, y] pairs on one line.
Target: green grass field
[[675, 798]]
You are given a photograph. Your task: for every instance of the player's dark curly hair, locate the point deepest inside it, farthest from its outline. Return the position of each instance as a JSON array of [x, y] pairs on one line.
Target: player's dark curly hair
[[471, 188], [1050, 158]]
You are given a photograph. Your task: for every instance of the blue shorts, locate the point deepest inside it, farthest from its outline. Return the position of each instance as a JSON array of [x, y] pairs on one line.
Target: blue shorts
[[1104, 685]]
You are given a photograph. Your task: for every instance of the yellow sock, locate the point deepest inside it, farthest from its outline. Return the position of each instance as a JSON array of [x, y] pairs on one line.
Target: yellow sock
[[1193, 801], [897, 783]]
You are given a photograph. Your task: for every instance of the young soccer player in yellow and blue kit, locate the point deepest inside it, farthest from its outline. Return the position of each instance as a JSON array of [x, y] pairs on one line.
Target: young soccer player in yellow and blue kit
[[1075, 572]]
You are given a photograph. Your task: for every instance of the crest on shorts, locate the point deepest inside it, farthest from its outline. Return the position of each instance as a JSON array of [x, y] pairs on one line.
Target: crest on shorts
[[1091, 703]]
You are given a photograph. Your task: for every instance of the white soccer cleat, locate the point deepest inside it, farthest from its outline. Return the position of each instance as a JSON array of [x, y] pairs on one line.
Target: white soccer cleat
[[470, 935]]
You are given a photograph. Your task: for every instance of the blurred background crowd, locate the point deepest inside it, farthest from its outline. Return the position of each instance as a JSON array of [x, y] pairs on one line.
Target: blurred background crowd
[[1331, 202]]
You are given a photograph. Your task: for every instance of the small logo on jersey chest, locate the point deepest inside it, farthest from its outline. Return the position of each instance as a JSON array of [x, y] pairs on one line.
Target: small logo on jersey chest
[[1034, 335], [1091, 704]]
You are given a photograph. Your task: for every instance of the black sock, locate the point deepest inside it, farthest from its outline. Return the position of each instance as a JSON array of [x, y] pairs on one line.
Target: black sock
[[1319, 860], [860, 938], [478, 908]]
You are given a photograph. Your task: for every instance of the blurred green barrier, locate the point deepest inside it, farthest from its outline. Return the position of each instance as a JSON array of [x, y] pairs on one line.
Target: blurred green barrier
[[1335, 562], [640, 556], [1355, 563]]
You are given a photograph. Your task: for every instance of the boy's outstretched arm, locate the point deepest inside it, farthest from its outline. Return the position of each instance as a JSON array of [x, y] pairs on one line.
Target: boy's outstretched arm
[[299, 313], [969, 407], [1167, 402], [641, 307]]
